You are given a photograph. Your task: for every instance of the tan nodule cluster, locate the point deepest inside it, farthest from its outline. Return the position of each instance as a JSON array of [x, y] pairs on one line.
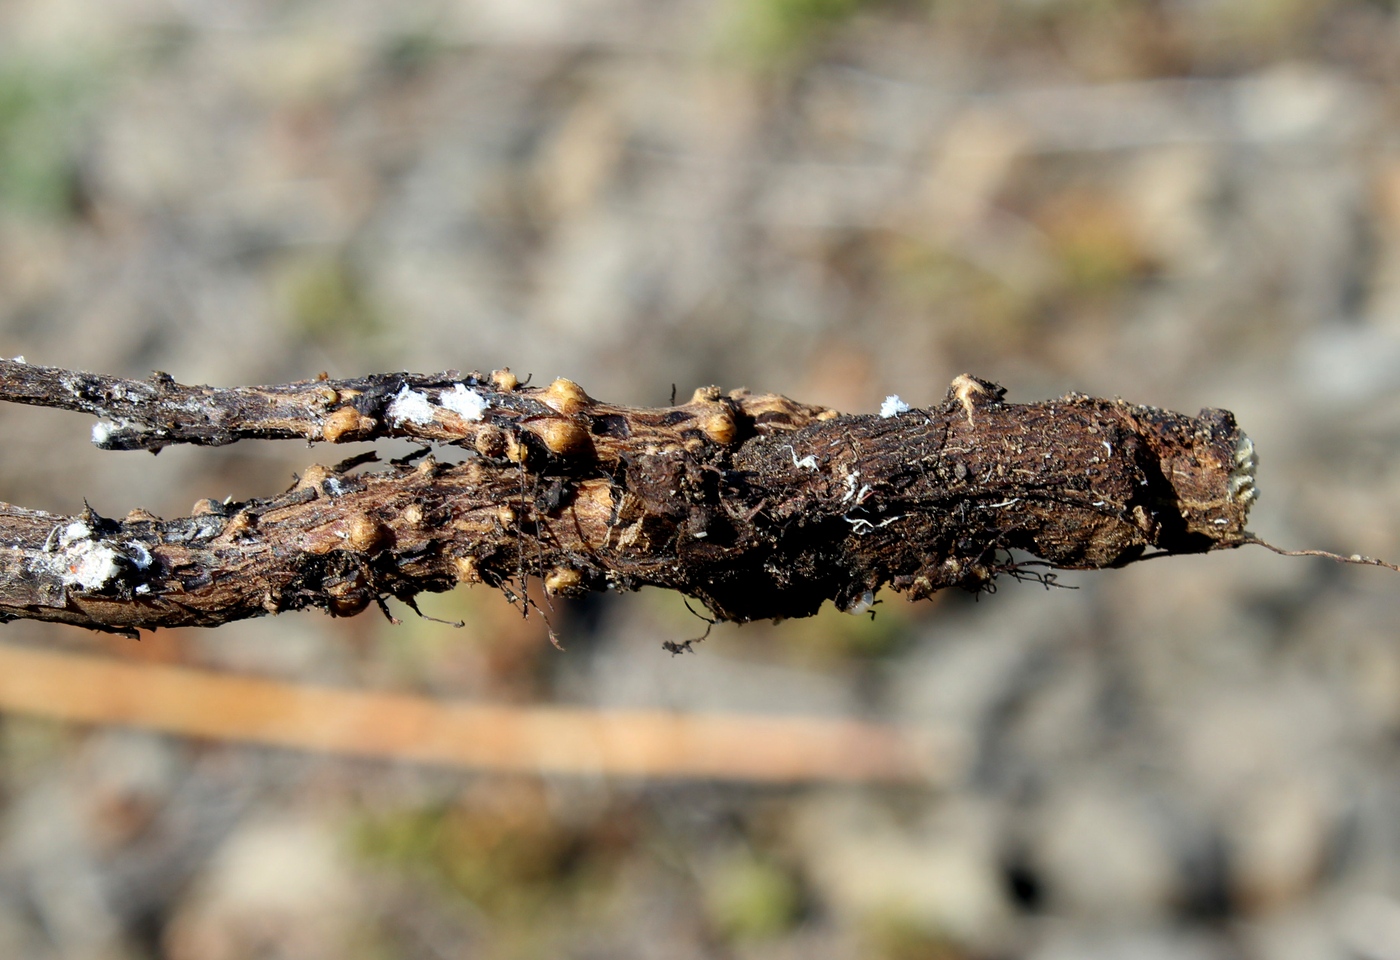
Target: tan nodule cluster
[[566, 397], [964, 388], [241, 524], [561, 579], [516, 451], [313, 477], [718, 424], [467, 569], [347, 424], [367, 534], [564, 438], [346, 597]]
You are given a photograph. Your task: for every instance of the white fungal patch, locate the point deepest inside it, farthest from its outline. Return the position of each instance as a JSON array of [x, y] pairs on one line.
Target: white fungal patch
[[77, 530], [808, 462], [138, 554], [1244, 453], [1242, 486], [18, 359], [463, 401], [860, 525], [102, 432], [90, 565], [410, 406], [86, 563], [850, 483], [893, 406]]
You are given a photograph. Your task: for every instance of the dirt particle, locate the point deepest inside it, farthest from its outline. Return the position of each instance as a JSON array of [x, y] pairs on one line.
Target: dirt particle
[[490, 442]]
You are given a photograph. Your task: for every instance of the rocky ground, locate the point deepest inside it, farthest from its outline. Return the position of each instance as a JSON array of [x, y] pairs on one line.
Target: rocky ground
[[1185, 204]]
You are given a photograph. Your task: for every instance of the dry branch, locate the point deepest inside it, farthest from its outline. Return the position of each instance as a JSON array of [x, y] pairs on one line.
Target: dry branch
[[758, 506], [465, 735]]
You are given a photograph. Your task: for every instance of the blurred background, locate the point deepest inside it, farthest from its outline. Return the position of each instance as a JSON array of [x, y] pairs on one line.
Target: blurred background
[[1187, 203]]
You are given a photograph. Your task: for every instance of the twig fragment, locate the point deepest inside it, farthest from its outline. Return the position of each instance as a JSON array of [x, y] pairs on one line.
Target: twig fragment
[[755, 505], [1354, 558]]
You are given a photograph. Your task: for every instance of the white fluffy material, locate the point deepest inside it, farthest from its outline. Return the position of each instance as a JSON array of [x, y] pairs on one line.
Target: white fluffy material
[[893, 406], [463, 401], [77, 530], [90, 565], [410, 406]]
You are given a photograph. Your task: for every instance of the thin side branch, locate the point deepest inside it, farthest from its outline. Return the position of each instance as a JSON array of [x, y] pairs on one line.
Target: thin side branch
[[755, 505], [495, 737]]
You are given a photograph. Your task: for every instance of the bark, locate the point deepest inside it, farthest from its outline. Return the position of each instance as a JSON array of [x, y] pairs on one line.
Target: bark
[[757, 506]]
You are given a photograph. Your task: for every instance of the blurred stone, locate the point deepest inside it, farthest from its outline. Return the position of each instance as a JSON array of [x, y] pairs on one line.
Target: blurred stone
[[1299, 102], [1343, 365], [939, 873], [1295, 935], [1141, 944], [1104, 856], [1369, 926], [1280, 838], [1168, 191], [279, 887], [579, 160], [49, 844], [126, 779]]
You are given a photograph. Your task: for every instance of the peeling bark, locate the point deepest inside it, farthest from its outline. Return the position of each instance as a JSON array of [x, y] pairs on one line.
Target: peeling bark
[[755, 505]]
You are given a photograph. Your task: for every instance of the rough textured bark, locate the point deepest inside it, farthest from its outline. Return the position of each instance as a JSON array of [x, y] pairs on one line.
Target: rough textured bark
[[755, 505]]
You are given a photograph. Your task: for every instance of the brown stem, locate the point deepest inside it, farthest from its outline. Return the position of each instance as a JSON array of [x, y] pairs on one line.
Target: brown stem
[[758, 506]]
